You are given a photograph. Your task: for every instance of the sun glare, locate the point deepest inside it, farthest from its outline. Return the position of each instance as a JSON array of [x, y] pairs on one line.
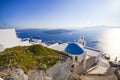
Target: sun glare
[[111, 42]]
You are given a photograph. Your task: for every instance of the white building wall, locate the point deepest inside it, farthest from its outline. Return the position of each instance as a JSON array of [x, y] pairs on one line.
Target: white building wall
[[8, 38], [79, 57]]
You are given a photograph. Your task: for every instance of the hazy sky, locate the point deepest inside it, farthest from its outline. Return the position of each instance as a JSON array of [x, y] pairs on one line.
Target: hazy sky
[[59, 13]]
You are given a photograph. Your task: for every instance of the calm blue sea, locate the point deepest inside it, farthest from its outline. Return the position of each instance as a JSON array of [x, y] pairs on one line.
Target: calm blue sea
[[105, 39], [90, 35]]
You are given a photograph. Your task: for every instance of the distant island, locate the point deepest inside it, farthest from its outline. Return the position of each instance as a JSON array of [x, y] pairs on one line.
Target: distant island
[[57, 31]]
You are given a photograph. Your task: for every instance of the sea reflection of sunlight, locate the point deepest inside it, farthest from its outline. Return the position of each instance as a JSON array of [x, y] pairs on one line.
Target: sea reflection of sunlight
[[111, 42]]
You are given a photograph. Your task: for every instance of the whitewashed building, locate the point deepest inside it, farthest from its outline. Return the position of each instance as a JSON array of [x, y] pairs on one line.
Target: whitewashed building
[[79, 52], [8, 38], [76, 51]]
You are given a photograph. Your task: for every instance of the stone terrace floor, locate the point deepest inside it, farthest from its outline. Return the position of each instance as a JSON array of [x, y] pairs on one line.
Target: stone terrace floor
[[110, 75]]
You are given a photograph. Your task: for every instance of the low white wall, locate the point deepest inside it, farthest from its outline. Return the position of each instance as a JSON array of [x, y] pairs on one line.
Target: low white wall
[[1, 48]]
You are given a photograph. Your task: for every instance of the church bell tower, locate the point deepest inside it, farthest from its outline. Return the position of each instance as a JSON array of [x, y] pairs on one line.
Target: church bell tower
[[82, 41]]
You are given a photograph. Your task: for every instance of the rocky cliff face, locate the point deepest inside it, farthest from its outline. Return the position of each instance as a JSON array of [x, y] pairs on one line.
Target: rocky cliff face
[[59, 71], [13, 74], [18, 74]]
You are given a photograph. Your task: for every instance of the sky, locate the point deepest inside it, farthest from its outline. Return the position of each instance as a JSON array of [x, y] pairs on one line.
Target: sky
[[59, 13]]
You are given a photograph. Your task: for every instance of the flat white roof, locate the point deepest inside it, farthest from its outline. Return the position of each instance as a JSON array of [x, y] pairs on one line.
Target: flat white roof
[[59, 47], [92, 52]]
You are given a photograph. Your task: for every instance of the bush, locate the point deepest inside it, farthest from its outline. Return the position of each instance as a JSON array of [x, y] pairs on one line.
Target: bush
[[30, 57]]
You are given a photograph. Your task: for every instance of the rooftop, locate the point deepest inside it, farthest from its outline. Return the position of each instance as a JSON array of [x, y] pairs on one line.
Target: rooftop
[[59, 47]]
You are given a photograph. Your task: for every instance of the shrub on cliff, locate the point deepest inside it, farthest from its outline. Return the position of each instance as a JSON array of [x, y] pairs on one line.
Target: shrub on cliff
[[29, 57]]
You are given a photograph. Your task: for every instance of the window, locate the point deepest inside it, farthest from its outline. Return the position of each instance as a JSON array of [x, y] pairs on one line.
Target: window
[[76, 58]]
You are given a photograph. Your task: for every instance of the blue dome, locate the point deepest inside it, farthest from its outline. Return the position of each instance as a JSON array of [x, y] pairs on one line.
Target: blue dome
[[74, 49]]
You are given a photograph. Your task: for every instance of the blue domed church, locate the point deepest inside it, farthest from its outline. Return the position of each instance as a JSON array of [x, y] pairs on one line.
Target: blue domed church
[[76, 51], [83, 57]]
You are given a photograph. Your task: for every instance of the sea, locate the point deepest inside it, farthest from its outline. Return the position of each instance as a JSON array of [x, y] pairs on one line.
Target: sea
[[105, 39]]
